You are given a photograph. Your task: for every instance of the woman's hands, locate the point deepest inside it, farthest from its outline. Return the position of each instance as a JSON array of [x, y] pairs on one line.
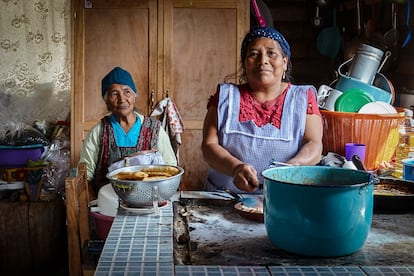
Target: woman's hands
[[245, 177]]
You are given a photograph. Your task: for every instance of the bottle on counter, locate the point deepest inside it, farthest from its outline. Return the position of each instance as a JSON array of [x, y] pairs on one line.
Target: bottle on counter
[[405, 147]]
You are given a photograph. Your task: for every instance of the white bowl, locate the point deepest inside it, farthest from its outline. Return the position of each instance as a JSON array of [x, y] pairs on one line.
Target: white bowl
[[108, 201]]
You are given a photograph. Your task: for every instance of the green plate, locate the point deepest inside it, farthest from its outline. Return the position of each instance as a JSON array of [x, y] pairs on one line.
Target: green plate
[[352, 100]]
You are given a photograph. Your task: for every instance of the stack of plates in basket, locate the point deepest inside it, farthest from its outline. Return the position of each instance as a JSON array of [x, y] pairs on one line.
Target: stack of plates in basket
[[377, 108], [356, 100], [352, 100]]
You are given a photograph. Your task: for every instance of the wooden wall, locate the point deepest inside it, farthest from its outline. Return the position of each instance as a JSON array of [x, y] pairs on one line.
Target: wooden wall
[[33, 238]]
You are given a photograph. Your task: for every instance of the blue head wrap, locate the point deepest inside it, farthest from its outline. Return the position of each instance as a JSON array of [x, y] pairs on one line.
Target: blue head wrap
[[119, 76], [268, 32]]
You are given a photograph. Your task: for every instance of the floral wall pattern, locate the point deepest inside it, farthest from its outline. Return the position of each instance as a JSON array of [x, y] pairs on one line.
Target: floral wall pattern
[[35, 60]]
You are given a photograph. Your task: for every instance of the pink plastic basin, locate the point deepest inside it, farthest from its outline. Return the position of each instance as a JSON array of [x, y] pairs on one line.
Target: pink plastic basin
[[102, 224]]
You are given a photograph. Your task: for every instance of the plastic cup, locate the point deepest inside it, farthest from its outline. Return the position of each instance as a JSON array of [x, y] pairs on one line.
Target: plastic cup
[[327, 97], [408, 168], [352, 149]]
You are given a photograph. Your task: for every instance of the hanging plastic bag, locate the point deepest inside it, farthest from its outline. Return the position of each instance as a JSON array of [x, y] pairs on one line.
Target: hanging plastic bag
[[20, 134], [59, 158]]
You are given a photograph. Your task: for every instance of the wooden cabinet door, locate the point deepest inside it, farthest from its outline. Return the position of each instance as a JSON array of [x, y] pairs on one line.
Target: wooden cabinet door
[[110, 33], [202, 41]]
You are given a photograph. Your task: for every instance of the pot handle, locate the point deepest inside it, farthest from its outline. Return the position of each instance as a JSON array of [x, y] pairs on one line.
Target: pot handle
[[155, 198], [372, 181], [93, 206], [387, 55], [358, 163], [342, 65]]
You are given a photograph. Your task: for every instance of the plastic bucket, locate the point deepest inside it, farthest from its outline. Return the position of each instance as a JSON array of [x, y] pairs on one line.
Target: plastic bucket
[[408, 171], [346, 84], [107, 202], [381, 88], [379, 132], [365, 63], [102, 224], [316, 210]]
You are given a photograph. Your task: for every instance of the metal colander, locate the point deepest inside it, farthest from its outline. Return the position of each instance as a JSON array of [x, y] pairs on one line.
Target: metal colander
[[141, 193]]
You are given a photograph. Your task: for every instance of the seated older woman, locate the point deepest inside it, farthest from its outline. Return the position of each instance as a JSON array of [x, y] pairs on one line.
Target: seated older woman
[[123, 133]]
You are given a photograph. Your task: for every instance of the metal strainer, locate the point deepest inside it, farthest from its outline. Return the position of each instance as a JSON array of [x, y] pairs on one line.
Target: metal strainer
[[139, 193]]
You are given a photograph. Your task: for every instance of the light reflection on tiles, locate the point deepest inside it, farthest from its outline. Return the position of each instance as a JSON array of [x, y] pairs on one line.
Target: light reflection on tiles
[[387, 270], [139, 245], [200, 270], [316, 270], [128, 268]]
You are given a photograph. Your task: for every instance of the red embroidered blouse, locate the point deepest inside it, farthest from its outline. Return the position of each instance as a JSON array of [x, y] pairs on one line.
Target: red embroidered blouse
[[269, 112]]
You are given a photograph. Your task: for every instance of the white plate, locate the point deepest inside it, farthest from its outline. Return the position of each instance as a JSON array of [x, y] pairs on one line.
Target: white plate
[[140, 211], [389, 107], [377, 108]]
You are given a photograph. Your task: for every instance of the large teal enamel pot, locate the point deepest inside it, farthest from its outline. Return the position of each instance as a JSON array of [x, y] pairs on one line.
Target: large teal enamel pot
[[316, 210]]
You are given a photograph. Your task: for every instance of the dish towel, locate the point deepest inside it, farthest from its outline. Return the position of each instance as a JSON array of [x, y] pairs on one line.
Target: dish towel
[[171, 121]]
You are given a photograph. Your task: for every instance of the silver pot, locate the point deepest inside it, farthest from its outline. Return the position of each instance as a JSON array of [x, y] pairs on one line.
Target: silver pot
[[143, 193]]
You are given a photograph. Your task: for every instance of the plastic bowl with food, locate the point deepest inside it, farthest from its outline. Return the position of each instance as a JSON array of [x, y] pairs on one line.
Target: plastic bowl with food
[[140, 185]]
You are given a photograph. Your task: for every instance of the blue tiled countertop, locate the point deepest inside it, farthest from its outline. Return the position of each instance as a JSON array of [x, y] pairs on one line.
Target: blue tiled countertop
[[143, 245]]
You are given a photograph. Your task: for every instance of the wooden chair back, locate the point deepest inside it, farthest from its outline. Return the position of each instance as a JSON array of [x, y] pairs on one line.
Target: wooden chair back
[[77, 216]]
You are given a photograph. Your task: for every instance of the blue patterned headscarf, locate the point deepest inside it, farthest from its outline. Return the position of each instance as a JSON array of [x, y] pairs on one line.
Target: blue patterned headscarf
[[268, 32], [119, 76]]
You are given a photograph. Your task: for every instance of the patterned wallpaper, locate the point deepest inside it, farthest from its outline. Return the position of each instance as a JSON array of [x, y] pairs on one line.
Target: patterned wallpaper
[[35, 60]]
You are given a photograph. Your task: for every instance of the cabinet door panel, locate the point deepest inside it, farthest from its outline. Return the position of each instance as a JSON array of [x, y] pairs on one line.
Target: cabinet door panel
[[197, 70], [201, 43], [114, 38]]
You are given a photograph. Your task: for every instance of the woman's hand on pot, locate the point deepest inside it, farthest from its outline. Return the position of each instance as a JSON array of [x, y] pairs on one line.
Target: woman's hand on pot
[[245, 177]]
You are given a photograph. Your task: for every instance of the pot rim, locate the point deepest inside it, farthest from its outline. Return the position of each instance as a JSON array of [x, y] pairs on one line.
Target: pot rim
[[371, 181]]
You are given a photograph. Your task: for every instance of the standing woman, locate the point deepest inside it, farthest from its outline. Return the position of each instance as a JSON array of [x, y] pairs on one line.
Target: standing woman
[[265, 118]]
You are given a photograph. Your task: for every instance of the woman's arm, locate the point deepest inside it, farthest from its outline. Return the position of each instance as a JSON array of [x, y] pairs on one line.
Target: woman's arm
[[311, 150], [90, 150], [89, 155], [220, 159]]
